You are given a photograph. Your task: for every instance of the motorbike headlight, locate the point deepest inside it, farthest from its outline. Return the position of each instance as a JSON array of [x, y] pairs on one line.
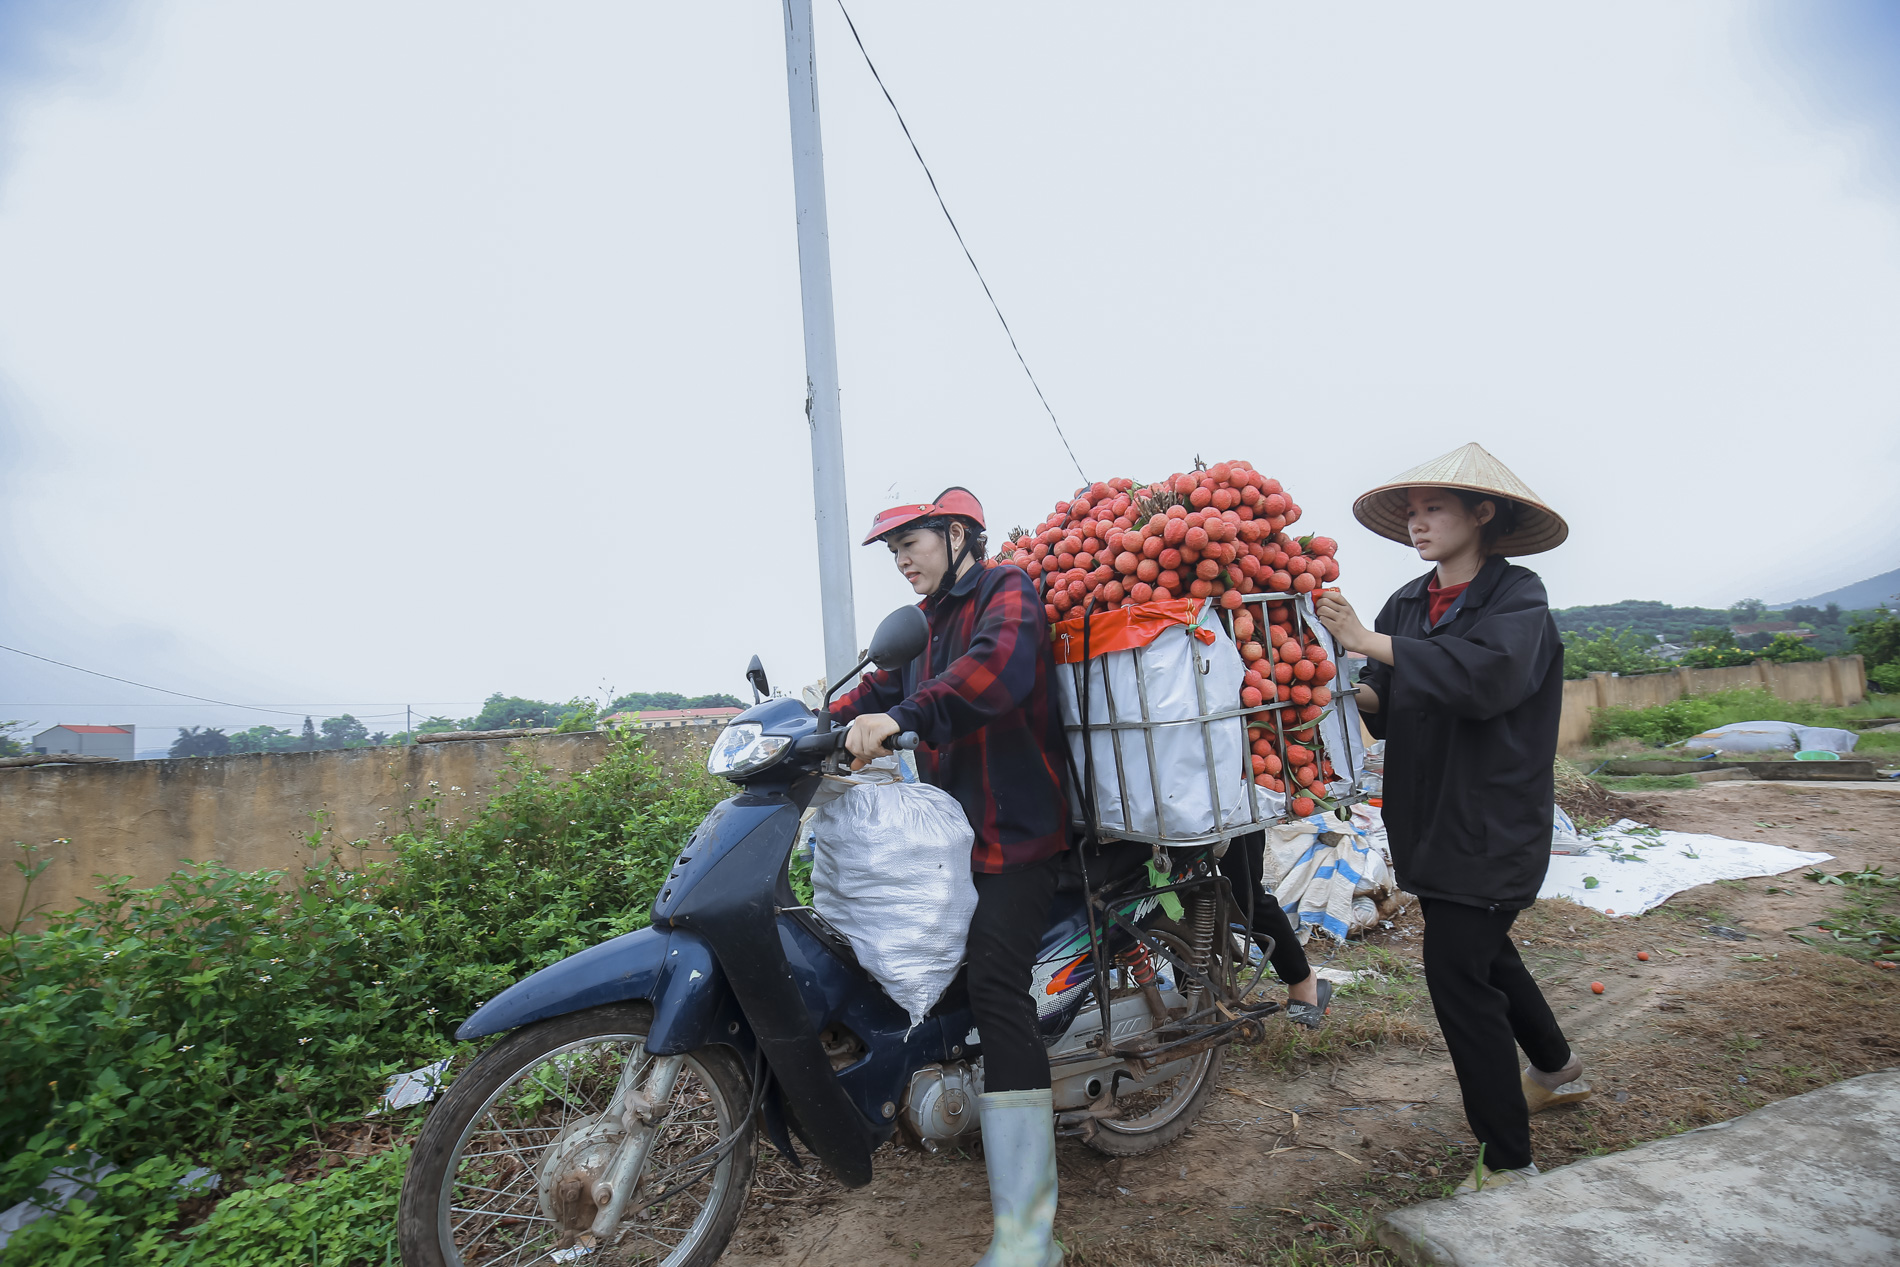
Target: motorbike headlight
[[744, 748]]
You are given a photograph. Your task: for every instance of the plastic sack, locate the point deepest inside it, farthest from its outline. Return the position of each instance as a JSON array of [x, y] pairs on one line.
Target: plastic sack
[[1319, 871], [1170, 799], [1772, 736], [1564, 836], [891, 872]]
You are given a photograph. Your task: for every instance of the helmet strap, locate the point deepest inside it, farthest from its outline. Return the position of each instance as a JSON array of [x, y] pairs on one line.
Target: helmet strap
[[956, 558]]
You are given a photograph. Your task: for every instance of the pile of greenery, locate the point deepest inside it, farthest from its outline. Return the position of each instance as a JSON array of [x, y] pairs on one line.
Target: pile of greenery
[[1692, 714], [221, 1018], [1717, 649], [1650, 621]]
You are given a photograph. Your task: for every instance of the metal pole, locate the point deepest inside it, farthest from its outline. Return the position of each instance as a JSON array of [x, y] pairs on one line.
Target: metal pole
[[821, 345]]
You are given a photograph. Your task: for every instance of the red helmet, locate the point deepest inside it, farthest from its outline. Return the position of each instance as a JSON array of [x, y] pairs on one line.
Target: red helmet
[[951, 501]]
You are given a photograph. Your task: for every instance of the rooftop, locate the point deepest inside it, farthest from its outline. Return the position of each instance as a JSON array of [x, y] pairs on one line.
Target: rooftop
[[95, 730]]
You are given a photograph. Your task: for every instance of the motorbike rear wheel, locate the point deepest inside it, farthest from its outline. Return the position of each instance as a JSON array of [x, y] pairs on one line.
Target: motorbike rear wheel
[[492, 1178], [1156, 1116]]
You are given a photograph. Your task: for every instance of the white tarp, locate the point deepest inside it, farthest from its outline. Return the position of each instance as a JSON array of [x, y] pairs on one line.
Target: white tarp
[[1637, 868], [1772, 736], [891, 871], [1174, 674]]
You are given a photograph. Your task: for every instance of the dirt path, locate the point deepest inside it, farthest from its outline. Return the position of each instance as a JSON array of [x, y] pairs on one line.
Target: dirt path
[[1707, 1028]]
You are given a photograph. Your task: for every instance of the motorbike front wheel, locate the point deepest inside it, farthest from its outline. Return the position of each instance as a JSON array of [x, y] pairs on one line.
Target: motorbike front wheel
[[506, 1167]]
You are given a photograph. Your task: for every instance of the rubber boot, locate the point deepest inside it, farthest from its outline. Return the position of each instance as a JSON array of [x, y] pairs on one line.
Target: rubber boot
[[1019, 1151]]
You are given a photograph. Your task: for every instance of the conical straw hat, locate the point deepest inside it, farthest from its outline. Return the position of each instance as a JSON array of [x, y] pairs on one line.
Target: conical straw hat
[[1539, 528]]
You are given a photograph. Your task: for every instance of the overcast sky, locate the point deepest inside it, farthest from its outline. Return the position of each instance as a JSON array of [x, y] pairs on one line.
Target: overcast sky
[[365, 354]]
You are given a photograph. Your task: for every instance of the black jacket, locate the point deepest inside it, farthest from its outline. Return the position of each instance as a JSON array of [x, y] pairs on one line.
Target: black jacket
[[1469, 710]]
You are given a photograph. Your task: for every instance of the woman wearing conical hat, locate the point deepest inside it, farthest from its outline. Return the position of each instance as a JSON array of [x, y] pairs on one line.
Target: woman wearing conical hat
[[1464, 683]]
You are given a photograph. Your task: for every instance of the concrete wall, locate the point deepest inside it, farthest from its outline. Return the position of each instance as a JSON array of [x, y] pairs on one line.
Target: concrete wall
[[1837, 681], [255, 811]]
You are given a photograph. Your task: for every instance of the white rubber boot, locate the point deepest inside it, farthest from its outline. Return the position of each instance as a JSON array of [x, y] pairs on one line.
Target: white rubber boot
[[1019, 1151]]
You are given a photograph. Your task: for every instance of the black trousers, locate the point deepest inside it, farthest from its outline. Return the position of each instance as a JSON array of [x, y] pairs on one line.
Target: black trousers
[[1488, 1006], [1012, 913], [1242, 864]]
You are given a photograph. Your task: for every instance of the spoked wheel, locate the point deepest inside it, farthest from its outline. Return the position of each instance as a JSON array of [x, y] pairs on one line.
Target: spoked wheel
[[518, 1158], [1156, 1111]]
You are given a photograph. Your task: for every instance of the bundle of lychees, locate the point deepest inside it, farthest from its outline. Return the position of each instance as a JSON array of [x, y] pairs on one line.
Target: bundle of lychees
[[1217, 532]]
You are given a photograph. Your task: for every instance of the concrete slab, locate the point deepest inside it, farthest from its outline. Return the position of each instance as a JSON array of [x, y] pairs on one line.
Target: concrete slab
[[1813, 1180]]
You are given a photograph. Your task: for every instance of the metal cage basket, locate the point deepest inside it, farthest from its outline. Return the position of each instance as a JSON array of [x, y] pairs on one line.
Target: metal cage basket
[[1158, 736]]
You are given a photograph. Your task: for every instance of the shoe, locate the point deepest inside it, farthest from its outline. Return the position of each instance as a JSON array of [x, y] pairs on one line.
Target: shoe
[[1019, 1151], [1312, 1015], [1482, 1178], [1548, 1090]]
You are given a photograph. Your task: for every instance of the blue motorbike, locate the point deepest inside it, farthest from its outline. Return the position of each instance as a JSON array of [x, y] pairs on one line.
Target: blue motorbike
[[618, 1119]]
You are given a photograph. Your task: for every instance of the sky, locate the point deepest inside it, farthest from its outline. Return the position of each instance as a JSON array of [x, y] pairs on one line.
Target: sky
[[359, 356]]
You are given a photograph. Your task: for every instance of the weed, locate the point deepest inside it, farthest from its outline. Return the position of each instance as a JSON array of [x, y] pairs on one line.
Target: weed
[[1868, 927], [223, 1016]]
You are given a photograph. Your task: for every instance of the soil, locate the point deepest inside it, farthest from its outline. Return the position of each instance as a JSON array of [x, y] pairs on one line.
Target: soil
[[1311, 1136]]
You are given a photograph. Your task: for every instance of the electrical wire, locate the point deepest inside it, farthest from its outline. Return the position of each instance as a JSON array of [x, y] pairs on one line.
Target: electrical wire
[[981, 280]]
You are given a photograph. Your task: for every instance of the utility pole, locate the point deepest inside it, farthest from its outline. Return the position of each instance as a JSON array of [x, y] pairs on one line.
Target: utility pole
[[821, 345]]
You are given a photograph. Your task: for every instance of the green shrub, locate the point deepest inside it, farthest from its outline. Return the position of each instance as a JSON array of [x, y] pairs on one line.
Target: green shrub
[[1885, 678], [345, 1217], [222, 1015], [1876, 639]]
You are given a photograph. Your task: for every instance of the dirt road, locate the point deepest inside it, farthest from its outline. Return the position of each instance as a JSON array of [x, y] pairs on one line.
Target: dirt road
[[1707, 1028]]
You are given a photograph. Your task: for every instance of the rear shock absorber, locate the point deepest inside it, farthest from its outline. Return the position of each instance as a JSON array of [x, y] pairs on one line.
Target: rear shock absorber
[[1202, 907], [1142, 968]]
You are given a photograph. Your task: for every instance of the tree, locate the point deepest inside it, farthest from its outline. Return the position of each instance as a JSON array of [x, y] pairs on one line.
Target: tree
[[308, 742], [208, 742], [1788, 649], [9, 746], [642, 701], [344, 732], [264, 739], [506, 712], [1611, 651], [1747, 612], [1876, 638]]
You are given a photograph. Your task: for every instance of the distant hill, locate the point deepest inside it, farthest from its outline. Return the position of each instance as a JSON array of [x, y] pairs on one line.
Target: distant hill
[[1875, 591], [1646, 618]]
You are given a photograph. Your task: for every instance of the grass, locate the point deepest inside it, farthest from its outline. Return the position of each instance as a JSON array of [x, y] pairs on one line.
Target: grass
[[1693, 714], [1646, 782]]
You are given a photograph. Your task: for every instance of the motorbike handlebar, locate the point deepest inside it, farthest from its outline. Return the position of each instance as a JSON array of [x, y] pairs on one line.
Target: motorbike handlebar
[[833, 740]]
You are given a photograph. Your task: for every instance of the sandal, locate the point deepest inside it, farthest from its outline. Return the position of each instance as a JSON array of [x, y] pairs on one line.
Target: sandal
[[1312, 1015], [1482, 1178], [1538, 1097]]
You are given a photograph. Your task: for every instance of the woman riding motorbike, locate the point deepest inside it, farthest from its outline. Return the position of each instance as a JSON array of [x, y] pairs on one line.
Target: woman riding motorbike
[[982, 698]]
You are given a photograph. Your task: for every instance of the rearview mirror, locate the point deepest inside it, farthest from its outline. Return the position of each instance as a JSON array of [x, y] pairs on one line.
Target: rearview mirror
[[900, 638], [755, 674]]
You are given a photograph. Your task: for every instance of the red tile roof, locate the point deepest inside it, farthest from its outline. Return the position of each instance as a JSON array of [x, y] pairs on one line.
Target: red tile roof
[[97, 730]]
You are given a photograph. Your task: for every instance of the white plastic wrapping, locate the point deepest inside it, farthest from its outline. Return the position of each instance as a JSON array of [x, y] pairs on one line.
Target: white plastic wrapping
[[1170, 798], [1339, 730], [891, 871]]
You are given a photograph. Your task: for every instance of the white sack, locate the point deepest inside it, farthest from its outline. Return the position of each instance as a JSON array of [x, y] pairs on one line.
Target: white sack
[[1169, 668], [1824, 739], [891, 871], [1563, 834], [1746, 736], [1320, 867]]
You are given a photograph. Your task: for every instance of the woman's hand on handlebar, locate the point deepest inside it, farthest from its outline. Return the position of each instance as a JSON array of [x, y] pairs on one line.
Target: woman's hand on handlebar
[[865, 737]]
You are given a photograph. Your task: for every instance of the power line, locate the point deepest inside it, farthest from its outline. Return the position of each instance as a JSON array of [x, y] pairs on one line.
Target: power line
[[146, 686], [997, 308]]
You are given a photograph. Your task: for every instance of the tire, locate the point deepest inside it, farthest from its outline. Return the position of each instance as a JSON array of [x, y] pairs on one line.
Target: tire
[[494, 1136], [1165, 1115]]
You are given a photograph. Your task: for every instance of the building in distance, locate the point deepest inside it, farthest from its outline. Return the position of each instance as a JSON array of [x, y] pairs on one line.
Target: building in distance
[[88, 741]]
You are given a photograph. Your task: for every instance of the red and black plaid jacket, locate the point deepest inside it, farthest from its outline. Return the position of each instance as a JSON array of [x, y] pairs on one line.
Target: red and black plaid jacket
[[983, 698]]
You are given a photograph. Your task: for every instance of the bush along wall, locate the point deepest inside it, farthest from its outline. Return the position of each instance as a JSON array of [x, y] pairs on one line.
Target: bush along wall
[[224, 1017]]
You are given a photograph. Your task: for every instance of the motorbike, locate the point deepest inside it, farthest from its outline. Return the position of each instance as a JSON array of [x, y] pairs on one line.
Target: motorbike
[[620, 1115]]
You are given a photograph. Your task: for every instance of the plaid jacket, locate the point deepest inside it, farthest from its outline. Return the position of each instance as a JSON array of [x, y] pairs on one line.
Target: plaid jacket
[[982, 696]]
